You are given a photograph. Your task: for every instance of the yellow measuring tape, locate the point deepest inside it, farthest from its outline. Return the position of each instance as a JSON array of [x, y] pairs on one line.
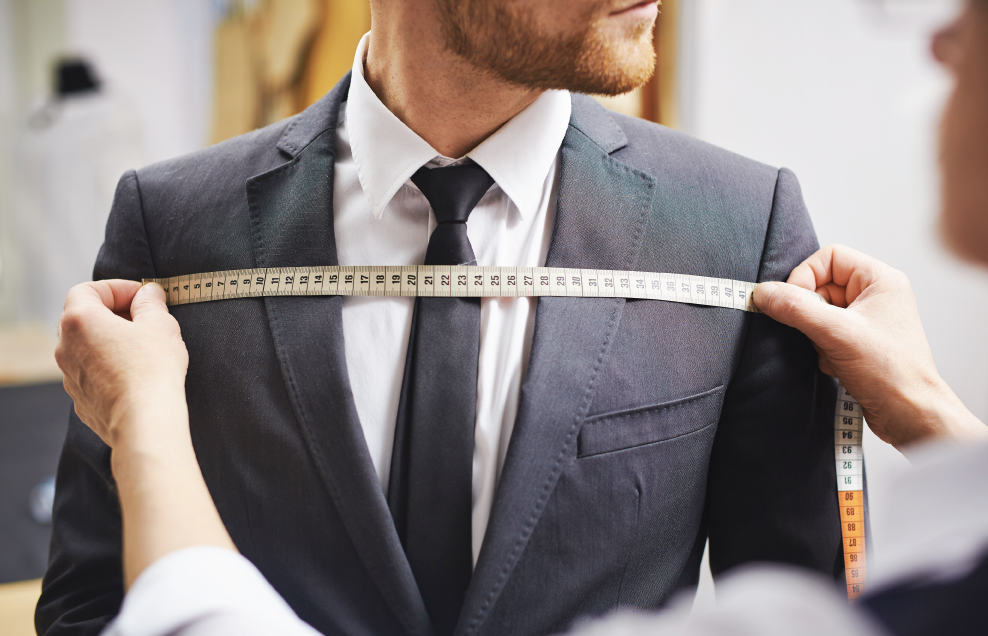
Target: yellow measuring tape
[[489, 282], [848, 429], [456, 281]]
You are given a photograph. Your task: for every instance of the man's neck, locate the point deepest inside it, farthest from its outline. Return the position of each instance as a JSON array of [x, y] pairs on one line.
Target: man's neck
[[442, 97]]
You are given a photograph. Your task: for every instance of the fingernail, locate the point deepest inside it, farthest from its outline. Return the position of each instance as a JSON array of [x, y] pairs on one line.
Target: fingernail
[[154, 289], [764, 291]]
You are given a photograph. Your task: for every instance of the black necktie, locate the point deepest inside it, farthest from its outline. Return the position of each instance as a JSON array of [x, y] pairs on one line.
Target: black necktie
[[430, 490]]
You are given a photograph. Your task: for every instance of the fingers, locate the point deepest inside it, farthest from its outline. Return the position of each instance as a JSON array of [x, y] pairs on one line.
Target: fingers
[[833, 294], [87, 304], [795, 306], [123, 294], [815, 271], [115, 295], [855, 271], [838, 273], [805, 276], [148, 303], [90, 309], [828, 267]]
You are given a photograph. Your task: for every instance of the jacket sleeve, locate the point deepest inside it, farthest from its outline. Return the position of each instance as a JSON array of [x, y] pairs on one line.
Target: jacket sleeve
[[772, 485], [83, 585]]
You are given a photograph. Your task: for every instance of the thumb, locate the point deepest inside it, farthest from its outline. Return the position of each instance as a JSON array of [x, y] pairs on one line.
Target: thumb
[[148, 303], [801, 309]]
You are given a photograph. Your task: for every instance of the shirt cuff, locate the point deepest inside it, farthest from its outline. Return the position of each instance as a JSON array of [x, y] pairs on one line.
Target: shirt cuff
[[204, 587]]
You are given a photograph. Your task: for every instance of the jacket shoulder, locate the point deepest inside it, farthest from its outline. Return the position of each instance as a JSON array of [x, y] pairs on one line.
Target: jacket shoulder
[[715, 212], [191, 212], [654, 149], [226, 164]]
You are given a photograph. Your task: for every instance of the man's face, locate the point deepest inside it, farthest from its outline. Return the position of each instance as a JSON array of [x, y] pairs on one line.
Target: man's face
[[586, 46], [963, 48]]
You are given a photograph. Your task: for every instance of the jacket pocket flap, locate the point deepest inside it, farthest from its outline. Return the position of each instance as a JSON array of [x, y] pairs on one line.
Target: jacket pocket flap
[[649, 424]]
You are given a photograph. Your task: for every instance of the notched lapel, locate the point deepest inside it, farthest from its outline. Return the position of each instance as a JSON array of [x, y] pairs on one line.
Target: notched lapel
[[600, 220], [292, 220]]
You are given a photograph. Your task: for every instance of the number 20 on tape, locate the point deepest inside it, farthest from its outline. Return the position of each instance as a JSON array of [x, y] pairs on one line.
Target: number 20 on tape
[[457, 281]]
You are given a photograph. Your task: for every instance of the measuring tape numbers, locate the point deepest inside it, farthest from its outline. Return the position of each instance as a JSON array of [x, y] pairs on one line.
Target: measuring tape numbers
[[848, 430], [456, 281], [495, 282]]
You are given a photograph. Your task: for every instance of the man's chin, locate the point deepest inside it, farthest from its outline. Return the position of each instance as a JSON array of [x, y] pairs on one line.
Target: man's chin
[[616, 72], [608, 58]]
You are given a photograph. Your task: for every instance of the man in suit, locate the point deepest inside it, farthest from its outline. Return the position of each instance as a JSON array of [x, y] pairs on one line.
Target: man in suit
[[385, 473]]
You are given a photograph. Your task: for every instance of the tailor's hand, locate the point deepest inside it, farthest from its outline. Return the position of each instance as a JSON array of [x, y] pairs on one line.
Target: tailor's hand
[[871, 338], [122, 354], [124, 363]]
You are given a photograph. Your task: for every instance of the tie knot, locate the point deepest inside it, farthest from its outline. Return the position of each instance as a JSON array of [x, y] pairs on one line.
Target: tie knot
[[453, 191]]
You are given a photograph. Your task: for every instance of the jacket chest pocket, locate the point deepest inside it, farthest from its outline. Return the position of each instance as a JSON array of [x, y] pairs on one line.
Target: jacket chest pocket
[[620, 430]]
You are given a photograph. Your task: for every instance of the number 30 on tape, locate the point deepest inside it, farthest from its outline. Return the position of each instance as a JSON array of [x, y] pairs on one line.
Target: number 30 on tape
[[491, 282], [457, 281]]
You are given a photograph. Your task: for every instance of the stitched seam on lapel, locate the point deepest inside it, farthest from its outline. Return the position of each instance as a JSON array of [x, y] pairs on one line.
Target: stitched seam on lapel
[[255, 217], [647, 202], [603, 149], [549, 485], [288, 145], [291, 384], [324, 470], [645, 206], [640, 221], [297, 150], [328, 476], [618, 143]]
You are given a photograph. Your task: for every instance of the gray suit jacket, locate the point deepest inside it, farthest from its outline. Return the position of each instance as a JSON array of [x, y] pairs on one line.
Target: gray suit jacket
[[643, 427]]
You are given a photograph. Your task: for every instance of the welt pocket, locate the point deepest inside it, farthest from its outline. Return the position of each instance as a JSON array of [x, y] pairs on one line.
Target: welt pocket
[[630, 428]]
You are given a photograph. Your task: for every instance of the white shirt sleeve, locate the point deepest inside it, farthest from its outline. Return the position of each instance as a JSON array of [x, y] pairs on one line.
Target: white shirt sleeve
[[208, 591], [202, 591], [932, 521], [754, 601]]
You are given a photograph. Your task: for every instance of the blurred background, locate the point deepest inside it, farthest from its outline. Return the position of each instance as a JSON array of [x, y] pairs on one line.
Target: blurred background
[[844, 92]]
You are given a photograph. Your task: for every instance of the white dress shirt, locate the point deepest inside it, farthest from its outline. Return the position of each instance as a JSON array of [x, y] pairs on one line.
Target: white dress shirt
[[383, 219]]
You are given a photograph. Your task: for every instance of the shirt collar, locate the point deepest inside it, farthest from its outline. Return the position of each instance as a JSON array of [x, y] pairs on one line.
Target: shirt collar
[[387, 152]]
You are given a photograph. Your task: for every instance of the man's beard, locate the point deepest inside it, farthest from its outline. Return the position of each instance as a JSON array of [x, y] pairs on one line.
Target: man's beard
[[506, 42]]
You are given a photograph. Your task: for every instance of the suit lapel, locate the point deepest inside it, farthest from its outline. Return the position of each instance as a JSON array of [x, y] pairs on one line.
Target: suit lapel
[[600, 219], [291, 210]]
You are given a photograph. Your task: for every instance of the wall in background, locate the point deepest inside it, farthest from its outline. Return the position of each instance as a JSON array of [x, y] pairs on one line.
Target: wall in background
[[156, 54], [31, 34], [659, 99], [274, 58], [154, 60], [846, 94], [8, 106]]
